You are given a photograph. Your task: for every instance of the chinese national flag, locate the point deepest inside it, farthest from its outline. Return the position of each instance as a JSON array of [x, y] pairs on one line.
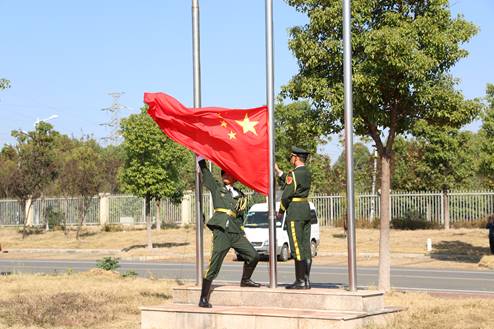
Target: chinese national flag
[[236, 140]]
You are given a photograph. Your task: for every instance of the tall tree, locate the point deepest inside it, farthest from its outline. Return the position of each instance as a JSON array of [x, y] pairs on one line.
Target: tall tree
[[487, 135], [362, 164], [35, 167], [402, 53], [154, 164], [82, 177]]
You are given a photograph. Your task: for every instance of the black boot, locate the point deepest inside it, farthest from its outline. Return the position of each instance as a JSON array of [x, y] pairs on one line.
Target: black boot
[[299, 276], [246, 281], [204, 300], [308, 264]]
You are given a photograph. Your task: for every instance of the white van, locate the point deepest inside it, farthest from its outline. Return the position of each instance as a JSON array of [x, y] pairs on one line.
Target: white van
[[257, 231]]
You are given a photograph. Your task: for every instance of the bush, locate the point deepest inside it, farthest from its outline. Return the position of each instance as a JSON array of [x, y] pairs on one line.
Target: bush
[[108, 264], [55, 218], [469, 224], [112, 228], [129, 274], [413, 221]]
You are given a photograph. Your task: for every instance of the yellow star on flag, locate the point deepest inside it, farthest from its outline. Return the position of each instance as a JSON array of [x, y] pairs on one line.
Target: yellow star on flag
[[248, 125], [232, 135], [223, 124]]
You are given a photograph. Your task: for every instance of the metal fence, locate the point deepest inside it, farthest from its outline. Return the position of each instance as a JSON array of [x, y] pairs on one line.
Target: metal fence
[[128, 209], [461, 206]]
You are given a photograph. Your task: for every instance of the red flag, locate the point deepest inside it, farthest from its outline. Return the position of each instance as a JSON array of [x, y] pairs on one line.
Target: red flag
[[236, 140]]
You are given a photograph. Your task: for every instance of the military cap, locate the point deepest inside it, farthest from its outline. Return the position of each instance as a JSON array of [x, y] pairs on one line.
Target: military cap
[[299, 151]]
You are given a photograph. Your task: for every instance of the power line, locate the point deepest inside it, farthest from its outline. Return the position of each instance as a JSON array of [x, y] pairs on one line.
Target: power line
[[114, 124]]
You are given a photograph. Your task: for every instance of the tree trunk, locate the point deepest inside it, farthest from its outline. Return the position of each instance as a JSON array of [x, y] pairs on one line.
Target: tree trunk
[[384, 252], [158, 215], [86, 202], [148, 221], [24, 216]]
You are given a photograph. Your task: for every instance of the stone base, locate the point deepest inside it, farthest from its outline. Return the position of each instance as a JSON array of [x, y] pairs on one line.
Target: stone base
[[260, 308]]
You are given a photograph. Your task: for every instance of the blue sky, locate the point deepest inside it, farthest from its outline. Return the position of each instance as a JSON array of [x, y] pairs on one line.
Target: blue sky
[[63, 57]]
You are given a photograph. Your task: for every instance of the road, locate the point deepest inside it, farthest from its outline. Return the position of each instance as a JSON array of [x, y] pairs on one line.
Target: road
[[474, 282]]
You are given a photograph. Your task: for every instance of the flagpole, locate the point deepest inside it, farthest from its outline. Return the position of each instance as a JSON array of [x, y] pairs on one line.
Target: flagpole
[[197, 104], [270, 102], [347, 72]]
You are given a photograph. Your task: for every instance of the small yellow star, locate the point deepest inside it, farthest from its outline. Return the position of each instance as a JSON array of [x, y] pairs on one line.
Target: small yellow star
[[232, 135], [248, 125], [223, 124]]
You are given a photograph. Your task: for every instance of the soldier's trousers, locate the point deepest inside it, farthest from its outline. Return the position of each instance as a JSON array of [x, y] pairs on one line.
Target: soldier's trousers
[[222, 242], [299, 238]]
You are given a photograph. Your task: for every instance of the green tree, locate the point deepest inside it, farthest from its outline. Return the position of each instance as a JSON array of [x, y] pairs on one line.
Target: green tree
[[362, 166], [82, 177], [8, 160], [35, 167], [487, 135], [402, 54], [447, 163], [4, 84], [154, 164]]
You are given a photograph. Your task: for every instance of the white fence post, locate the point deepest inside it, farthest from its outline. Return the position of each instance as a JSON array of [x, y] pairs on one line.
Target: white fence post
[[104, 208], [446, 210], [186, 212], [29, 212]]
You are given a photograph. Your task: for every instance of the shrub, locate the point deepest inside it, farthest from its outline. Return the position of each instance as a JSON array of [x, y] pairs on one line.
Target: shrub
[[413, 220], [108, 264], [112, 228], [129, 274]]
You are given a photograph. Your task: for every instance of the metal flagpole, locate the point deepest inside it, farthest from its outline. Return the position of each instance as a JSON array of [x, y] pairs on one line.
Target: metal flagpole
[[347, 71], [197, 104], [270, 102]]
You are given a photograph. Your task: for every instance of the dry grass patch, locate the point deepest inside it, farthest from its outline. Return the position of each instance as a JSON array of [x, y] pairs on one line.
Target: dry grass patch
[[423, 311], [95, 299]]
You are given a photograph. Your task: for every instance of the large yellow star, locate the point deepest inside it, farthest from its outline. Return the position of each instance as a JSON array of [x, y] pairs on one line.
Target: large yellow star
[[248, 125], [232, 135], [223, 124]]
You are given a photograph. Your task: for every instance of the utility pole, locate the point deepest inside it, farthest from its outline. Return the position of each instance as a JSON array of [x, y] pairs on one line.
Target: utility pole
[[114, 123]]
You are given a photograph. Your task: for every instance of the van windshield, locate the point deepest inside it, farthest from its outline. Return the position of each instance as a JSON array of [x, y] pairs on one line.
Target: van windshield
[[258, 219]]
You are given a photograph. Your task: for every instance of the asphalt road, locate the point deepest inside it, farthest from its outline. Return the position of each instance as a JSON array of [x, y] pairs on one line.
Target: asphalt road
[[456, 281]]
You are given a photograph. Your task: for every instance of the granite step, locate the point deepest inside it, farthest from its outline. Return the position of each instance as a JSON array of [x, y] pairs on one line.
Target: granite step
[[313, 299], [248, 317]]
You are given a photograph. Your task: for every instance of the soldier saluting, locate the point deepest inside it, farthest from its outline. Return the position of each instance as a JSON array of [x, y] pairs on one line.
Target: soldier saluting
[[296, 186], [226, 223]]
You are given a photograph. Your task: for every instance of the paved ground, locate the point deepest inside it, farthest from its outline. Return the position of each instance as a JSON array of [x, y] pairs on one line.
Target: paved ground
[[440, 280]]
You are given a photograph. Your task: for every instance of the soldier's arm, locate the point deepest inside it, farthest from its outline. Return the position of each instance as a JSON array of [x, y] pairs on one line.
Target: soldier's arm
[[207, 177], [288, 192]]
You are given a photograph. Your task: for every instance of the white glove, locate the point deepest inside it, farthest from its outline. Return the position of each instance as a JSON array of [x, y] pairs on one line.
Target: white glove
[[199, 158]]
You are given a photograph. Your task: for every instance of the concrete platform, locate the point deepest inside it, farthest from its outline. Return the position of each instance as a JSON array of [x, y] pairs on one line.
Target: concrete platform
[[313, 299], [259, 308]]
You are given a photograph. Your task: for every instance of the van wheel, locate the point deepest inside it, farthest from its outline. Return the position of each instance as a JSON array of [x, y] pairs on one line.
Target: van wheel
[[313, 248], [284, 254]]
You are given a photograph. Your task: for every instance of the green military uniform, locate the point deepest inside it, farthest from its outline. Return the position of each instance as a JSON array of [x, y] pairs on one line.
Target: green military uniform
[[296, 186], [227, 226], [294, 202]]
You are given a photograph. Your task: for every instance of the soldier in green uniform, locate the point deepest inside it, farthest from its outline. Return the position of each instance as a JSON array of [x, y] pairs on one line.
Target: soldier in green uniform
[[296, 186], [228, 232]]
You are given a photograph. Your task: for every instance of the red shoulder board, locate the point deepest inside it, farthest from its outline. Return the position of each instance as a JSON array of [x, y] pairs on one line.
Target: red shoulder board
[[289, 179]]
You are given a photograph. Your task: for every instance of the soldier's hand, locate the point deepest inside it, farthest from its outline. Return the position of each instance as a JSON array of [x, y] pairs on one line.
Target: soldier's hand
[[199, 157], [279, 216], [277, 169]]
